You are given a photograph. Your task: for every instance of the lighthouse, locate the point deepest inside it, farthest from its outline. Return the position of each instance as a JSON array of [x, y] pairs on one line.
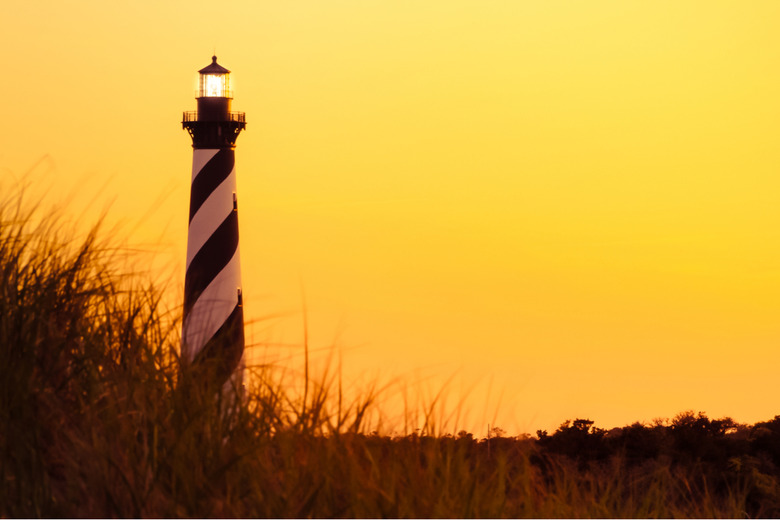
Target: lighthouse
[[213, 320]]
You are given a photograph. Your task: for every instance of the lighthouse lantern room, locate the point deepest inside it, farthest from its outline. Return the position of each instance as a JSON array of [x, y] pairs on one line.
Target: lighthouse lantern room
[[214, 81]]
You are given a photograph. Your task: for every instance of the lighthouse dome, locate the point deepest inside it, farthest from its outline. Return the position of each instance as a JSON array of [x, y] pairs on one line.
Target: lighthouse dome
[[214, 68]]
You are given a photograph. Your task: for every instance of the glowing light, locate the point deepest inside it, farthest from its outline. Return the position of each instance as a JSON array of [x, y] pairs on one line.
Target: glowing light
[[214, 85]]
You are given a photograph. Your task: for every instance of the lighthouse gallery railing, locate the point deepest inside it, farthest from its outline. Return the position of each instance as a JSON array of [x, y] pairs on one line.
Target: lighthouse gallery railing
[[238, 117]]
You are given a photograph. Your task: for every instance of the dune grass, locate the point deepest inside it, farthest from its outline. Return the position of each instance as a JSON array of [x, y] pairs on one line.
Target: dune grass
[[99, 419]]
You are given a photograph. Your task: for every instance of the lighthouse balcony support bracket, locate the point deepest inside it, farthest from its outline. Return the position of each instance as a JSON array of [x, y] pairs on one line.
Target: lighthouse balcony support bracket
[[214, 134]]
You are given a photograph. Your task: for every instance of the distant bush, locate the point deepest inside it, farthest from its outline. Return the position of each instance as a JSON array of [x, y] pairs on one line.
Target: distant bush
[[578, 440], [765, 440]]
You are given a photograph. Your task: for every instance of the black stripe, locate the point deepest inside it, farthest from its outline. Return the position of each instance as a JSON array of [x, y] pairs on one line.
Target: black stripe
[[211, 175], [212, 257], [224, 349]]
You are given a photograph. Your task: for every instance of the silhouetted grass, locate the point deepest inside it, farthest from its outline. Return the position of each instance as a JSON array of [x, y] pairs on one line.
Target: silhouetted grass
[[98, 419]]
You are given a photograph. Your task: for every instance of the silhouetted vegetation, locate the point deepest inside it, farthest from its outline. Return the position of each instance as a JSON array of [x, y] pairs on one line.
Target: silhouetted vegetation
[[98, 418], [715, 458]]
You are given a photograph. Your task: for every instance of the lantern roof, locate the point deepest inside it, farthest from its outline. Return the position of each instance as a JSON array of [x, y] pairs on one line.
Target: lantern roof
[[214, 68]]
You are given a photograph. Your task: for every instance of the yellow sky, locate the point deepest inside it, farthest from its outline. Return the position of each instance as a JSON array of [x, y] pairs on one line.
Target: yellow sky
[[568, 205]]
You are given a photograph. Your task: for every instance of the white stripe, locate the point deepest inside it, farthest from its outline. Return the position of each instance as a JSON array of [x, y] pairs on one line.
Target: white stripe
[[212, 308], [200, 158], [210, 215]]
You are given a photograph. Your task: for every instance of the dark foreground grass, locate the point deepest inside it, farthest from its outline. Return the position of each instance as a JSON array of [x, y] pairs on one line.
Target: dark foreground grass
[[98, 419]]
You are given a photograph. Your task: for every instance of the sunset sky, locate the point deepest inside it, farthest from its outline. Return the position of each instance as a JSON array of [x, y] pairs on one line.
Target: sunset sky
[[565, 208]]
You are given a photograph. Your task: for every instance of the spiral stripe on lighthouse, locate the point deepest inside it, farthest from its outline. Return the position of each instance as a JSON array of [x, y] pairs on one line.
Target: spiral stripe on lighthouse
[[226, 345], [210, 216], [210, 260], [212, 307], [204, 181], [213, 314]]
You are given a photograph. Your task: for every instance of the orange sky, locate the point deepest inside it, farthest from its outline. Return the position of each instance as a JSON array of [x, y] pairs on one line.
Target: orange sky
[[570, 206]]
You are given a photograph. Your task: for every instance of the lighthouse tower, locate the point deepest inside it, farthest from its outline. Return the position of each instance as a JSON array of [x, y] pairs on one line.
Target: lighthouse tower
[[213, 323]]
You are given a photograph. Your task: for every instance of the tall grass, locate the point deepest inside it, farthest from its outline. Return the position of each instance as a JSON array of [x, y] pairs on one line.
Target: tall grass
[[98, 418]]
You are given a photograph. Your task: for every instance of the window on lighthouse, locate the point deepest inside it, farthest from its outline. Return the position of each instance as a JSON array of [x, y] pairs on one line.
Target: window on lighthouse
[[215, 85]]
